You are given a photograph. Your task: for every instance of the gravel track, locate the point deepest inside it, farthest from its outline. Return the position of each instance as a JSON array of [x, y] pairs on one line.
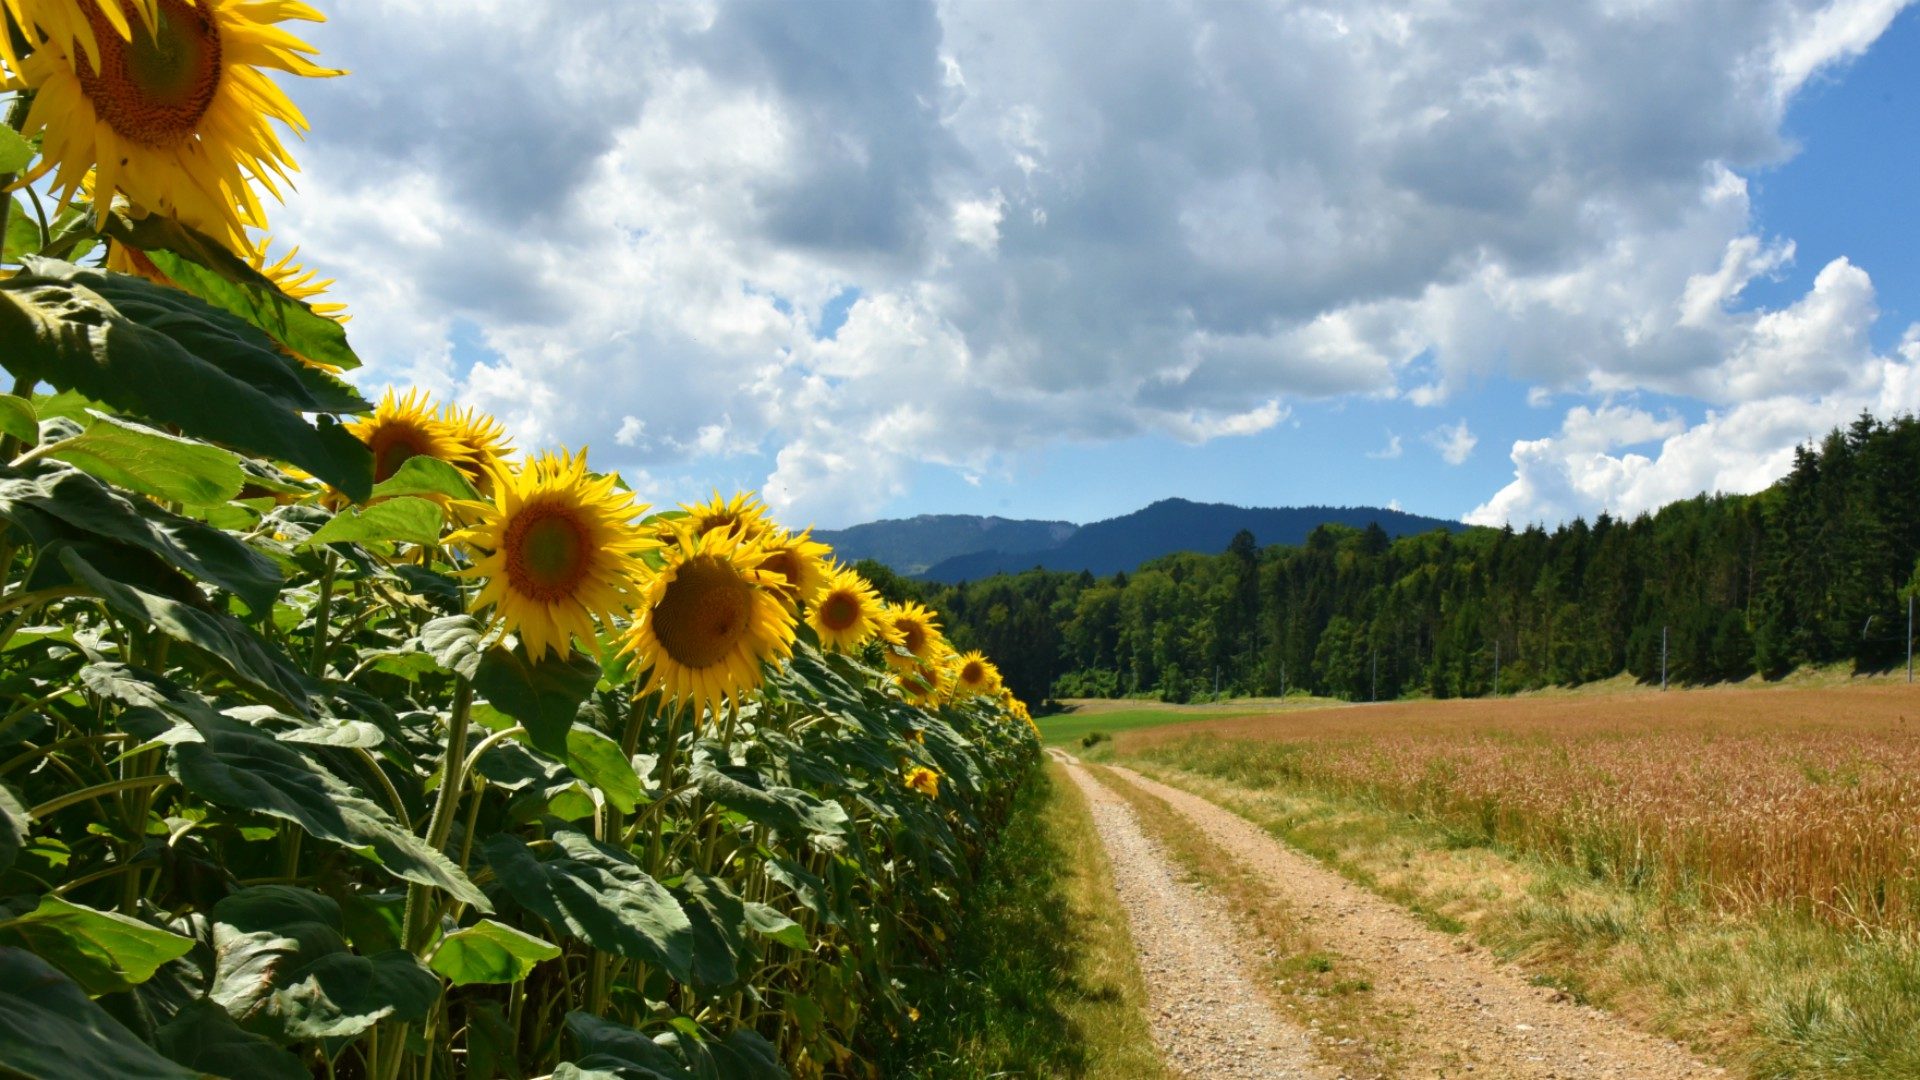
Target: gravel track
[[1465, 1013], [1207, 1018]]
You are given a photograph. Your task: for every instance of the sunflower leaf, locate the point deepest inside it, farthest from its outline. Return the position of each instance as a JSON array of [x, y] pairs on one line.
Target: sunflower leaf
[[15, 151], [48, 1027], [405, 520], [489, 952], [154, 463], [156, 352], [543, 695], [204, 267], [18, 419], [599, 894], [423, 475], [104, 951]]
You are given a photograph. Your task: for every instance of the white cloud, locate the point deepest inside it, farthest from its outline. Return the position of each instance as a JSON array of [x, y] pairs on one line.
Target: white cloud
[[1454, 441], [636, 217], [1388, 452]]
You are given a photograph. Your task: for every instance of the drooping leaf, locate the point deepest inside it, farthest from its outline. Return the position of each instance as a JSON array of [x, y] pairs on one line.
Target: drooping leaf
[[405, 520], [18, 419], [543, 695], [720, 947], [23, 229], [790, 810], [85, 504], [153, 463], [454, 641], [769, 923], [104, 951], [156, 352], [282, 968], [222, 639], [599, 761], [203, 1037], [204, 267], [423, 475], [13, 826], [16, 153], [49, 1028], [598, 894], [489, 952], [608, 1049], [241, 768]]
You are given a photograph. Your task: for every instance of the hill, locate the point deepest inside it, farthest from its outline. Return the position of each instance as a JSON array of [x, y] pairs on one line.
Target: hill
[[912, 545], [1170, 525]]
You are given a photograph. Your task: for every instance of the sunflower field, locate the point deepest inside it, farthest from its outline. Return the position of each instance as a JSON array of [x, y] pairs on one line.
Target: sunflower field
[[343, 739]]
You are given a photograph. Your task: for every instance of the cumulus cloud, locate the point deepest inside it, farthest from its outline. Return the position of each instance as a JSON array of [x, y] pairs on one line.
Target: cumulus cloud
[[635, 225], [1454, 441], [1389, 452]]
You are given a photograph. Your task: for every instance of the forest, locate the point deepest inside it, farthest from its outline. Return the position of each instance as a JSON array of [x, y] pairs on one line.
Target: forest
[[1816, 569]]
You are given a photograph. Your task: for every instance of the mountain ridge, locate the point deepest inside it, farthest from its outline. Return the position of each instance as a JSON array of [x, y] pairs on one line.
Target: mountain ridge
[[959, 547]]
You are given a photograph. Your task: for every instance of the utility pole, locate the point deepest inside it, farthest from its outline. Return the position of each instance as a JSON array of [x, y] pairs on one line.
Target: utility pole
[[1909, 637], [1376, 676], [1496, 667], [1663, 657]]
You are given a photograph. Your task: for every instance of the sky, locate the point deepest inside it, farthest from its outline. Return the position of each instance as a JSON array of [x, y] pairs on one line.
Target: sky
[[1498, 261]]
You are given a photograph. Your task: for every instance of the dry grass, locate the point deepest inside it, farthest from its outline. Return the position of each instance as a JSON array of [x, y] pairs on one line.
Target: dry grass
[[1799, 799]]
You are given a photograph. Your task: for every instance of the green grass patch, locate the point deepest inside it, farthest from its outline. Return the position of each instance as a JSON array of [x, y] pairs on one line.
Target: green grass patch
[[1041, 978], [1069, 728]]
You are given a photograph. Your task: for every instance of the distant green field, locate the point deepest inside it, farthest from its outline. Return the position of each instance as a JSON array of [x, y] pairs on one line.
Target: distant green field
[[1069, 727]]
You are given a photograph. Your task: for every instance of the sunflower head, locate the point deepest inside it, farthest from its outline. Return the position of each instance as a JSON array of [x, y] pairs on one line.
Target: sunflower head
[[296, 281], [916, 630], [800, 563], [926, 683], [167, 101], [485, 436], [710, 621], [974, 674], [405, 427], [557, 547], [848, 613], [923, 780], [743, 514]]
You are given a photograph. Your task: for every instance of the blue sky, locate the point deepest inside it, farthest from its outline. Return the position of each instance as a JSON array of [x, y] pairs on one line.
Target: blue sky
[[1505, 261]]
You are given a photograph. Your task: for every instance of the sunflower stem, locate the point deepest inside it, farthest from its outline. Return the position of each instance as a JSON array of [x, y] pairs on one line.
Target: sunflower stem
[[321, 613]]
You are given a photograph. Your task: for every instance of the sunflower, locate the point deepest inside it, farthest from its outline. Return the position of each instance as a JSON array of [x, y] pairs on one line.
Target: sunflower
[[296, 281], [973, 673], [556, 547], [926, 683], [743, 514], [485, 436], [710, 621], [917, 630], [923, 780], [404, 427], [800, 561], [64, 21], [171, 108], [848, 613]]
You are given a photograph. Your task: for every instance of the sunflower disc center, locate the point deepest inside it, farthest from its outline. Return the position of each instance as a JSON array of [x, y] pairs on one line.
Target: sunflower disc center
[[393, 444], [704, 613], [546, 552], [913, 636], [155, 89], [839, 612], [783, 563], [973, 674]]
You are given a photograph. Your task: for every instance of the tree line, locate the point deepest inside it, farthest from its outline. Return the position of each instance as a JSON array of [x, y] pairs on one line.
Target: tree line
[[1815, 569]]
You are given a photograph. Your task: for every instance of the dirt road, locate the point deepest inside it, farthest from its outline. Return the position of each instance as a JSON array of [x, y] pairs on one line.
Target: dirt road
[[1461, 1012]]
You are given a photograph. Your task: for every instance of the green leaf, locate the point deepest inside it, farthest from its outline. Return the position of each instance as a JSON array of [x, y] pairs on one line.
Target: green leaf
[[608, 1049], [231, 648], [241, 768], [489, 952], [13, 826], [767, 921], [282, 968], [454, 641], [598, 894], [153, 463], [202, 1036], [720, 947], [159, 353], [89, 506], [599, 761], [423, 475], [49, 1028], [543, 695], [105, 952], [23, 230], [790, 810], [18, 419], [204, 267], [16, 153], [406, 520]]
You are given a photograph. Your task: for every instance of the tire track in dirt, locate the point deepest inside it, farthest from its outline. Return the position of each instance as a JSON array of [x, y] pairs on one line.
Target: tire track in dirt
[[1206, 1015], [1463, 1012]]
